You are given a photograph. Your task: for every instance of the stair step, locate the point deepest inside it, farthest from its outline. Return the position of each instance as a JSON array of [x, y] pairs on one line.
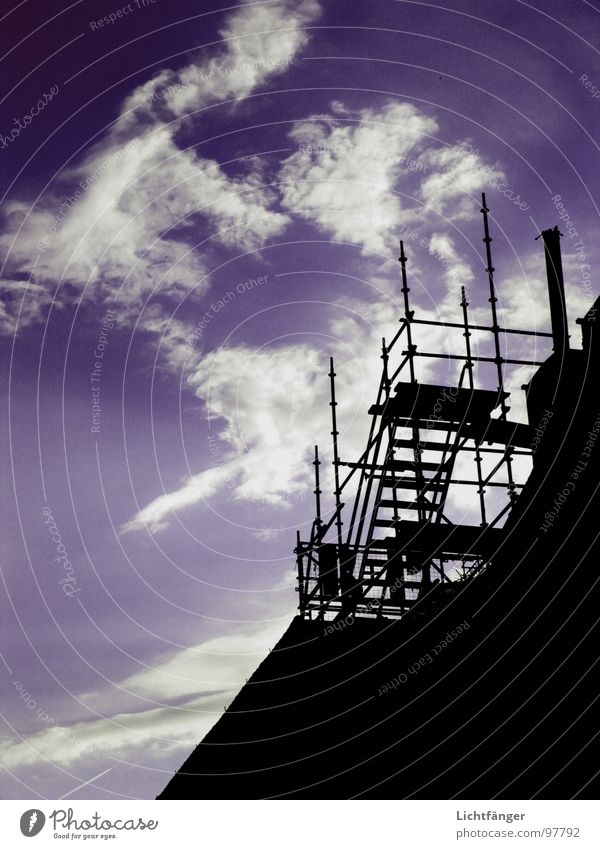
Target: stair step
[[389, 561], [426, 401], [432, 539], [389, 605], [422, 446], [412, 483], [408, 585], [410, 466], [408, 505], [424, 424]]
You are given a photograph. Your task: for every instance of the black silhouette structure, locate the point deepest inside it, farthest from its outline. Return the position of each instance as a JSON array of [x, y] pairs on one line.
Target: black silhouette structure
[[437, 653]]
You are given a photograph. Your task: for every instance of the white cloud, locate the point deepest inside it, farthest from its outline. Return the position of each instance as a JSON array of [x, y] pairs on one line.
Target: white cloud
[[454, 180], [359, 175], [152, 730], [261, 41], [20, 298], [457, 272], [266, 406], [203, 680], [128, 214], [197, 488], [222, 663], [120, 231], [345, 171]]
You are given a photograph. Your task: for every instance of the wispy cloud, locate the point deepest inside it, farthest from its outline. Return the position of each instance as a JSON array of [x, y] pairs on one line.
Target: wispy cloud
[[455, 177], [360, 174], [128, 219], [265, 407], [172, 705], [344, 175]]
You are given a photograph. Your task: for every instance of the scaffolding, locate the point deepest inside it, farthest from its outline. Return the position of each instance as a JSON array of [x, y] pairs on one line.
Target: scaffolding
[[401, 552]]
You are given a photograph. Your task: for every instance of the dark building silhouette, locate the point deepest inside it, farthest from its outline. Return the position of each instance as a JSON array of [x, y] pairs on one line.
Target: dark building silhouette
[[434, 657]]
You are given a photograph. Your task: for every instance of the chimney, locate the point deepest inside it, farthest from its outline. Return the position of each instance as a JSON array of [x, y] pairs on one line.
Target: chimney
[[556, 290]]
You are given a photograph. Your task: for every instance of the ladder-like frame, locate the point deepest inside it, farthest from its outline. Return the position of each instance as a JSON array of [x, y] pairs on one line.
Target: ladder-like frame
[[427, 555]]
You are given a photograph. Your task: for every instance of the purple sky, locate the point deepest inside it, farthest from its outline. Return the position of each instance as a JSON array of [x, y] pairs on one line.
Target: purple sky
[[204, 210]]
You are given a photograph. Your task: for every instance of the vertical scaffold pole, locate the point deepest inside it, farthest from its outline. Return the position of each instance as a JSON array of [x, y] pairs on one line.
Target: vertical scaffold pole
[[390, 429], [336, 459], [385, 377], [300, 568], [317, 490], [408, 313], [496, 333], [411, 348], [467, 334], [492, 299]]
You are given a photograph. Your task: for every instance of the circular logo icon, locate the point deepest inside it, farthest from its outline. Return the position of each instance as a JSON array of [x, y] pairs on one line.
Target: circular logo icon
[[32, 822]]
